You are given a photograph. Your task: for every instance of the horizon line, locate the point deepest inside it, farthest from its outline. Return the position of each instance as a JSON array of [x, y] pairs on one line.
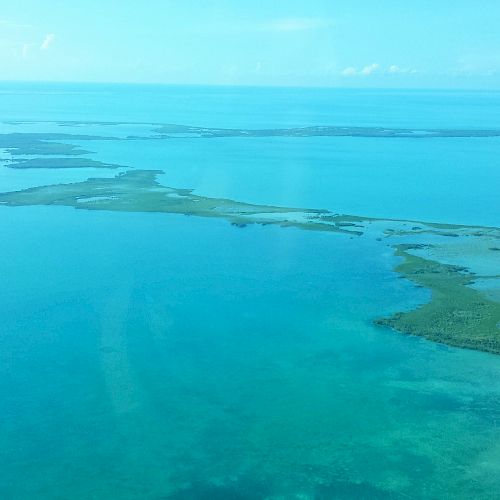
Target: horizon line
[[255, 86]]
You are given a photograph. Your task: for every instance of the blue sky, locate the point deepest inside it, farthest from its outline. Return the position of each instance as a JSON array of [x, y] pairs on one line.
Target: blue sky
[[440, 43]]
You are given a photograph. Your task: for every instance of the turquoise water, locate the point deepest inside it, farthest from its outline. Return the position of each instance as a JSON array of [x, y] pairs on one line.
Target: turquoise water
[[152, 356], [393, 178]]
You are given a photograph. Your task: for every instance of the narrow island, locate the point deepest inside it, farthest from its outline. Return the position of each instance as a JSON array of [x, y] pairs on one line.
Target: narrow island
[[464, 308], [49, 151]]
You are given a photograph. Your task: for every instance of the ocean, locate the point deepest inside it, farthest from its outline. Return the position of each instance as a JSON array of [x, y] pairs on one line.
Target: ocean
[[160, 356]]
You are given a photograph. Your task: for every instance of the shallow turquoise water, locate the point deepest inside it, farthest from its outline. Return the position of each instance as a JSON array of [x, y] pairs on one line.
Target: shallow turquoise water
[[157, 356]]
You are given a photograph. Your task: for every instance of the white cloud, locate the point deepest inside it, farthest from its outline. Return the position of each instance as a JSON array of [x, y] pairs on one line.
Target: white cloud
[[47, 42], [368, 70], [298, 24], [350, 71], [394, 69]]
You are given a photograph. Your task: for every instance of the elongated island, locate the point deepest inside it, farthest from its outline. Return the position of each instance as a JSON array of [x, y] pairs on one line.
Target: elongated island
[[459, 264]]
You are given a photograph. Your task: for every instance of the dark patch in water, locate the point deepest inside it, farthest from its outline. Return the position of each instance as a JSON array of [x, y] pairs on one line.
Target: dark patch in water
[[438, 401], [243, 489], [344, 490]]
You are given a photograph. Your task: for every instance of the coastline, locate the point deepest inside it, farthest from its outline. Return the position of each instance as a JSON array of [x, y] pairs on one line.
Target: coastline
[[456, 315]]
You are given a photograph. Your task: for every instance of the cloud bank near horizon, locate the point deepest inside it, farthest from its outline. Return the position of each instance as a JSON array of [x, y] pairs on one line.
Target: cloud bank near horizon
[[376, 68]]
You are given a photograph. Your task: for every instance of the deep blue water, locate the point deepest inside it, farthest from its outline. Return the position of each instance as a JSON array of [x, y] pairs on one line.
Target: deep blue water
[[152, 356]]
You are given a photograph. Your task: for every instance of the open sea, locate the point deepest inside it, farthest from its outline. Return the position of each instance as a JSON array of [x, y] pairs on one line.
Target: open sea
[[156, 356]]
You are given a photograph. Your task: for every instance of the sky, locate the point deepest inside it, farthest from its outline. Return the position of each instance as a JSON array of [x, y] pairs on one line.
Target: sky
[[364, 43]]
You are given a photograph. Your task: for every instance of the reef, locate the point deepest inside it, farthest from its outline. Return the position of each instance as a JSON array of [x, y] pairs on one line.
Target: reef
[[458, 313]]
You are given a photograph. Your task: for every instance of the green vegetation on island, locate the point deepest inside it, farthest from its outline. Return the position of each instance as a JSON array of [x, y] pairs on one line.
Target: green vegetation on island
[[162, 130], [321, 131], [43, 144], [60, 163], [456, 314], [139, 191]]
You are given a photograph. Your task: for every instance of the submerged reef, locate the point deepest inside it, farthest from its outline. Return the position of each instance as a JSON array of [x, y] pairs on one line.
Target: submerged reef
[[459, 313]]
